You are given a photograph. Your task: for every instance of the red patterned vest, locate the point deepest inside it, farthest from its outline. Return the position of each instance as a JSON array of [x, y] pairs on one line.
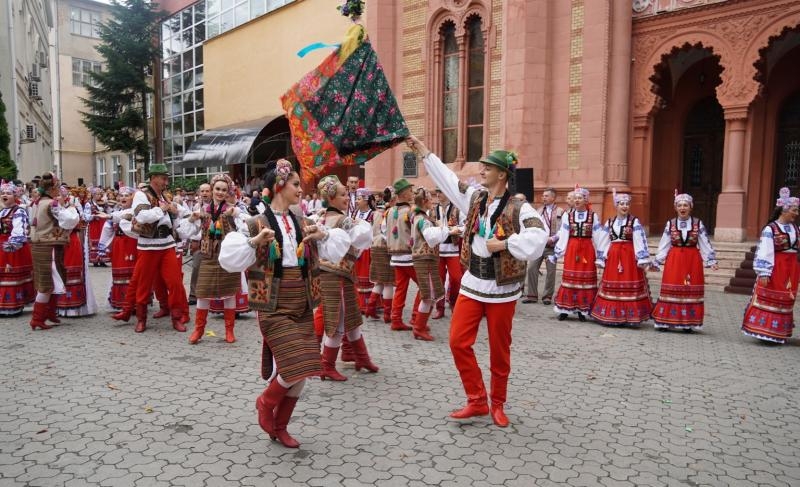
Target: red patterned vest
[[691, 236], [581, 229], [782, 240], [625, 233]]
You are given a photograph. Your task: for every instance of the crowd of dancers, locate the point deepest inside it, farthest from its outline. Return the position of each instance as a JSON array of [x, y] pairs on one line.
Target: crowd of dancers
[[313, 275]]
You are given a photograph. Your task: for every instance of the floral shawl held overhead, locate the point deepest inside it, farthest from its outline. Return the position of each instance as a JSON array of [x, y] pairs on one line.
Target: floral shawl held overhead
[[343, 112]]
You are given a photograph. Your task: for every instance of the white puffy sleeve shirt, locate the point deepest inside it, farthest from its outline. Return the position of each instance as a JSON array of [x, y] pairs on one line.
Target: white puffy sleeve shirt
[[527, 245]]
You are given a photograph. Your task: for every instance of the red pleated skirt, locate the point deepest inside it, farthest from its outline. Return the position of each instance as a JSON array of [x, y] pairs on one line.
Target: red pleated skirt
[[363, 284], [680, 305], [95, 230], [16, 278], [770, 314], [75, 282], [579, 280], [123, 259], [624, 295]]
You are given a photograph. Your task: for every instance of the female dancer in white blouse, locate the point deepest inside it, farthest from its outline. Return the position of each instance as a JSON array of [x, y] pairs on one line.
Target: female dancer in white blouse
[[624, 295], [337, 259], [770, 314], [683, 248], [281, 257]]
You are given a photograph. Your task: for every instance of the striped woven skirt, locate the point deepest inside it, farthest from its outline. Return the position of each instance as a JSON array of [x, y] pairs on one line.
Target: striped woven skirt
[[339, 296], [428, 279], [43, 257], [380, 272], [16, 278], [288, 332], [215, 282]]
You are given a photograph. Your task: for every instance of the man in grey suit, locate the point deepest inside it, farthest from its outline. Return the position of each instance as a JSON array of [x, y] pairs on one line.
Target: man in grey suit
[[551, 215]]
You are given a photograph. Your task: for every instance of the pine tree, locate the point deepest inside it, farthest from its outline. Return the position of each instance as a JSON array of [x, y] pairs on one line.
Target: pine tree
[[8, 170], [117, 94]]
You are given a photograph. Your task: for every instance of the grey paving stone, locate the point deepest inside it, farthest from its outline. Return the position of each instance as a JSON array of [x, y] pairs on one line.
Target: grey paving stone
[[91, 403]]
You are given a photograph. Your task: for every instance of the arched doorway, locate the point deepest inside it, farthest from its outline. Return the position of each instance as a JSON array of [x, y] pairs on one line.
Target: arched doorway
[[787, 151], [688, 133], [703, 142]]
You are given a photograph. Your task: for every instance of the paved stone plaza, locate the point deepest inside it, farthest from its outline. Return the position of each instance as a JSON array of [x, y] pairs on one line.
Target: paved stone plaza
[[92, 403]]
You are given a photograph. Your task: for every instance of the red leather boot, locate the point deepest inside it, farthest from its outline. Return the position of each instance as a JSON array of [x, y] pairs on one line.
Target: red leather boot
[[439, 310], [230, 320], [362, 356], [476, 406], [421, 330], [347, 351], [141, 317], [178, 321], [52, 310], [372, 306], [266, 404], [282, 416], [200, 320], [387, 310], [328, 358], [39, 315]]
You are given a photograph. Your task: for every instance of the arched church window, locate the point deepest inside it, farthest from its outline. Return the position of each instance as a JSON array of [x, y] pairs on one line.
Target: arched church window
[[450, 88]]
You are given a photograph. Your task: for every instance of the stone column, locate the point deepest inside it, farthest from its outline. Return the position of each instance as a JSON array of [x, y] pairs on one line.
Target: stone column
[[639, 174], [730, 205], [619, 90]]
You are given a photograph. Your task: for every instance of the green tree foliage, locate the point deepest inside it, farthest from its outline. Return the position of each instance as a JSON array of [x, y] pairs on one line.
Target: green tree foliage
[[115, 106], [8, 170]]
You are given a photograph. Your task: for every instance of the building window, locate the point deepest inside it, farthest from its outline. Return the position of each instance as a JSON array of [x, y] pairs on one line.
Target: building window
[[115, 169], [84, 22], [224, 15], [475, 89], [449, 93], [459, 128], [81, 69], [132, 170], [101, 172]]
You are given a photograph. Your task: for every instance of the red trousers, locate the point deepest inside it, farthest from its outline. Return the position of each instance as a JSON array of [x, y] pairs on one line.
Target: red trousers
[[452, 266], [467, 315], [164, 263], [402, 276], [159, 287]]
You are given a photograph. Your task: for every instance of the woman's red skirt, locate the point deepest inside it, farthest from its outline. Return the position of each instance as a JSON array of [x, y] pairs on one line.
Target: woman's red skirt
[[579, 280], [242, 305], [123, 259], [624, 295], [680, 304], [95, 230], [363, 284], [770, 314], [16, 278], [75, 282]]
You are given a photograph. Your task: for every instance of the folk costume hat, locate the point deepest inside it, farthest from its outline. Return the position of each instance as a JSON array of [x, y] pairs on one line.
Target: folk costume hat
[[786, 200], [327, 187], [363, 192], [157, 169], [684, 197], [400, 185], [620, 197], [225, 179], [8, 188], [505, 160]]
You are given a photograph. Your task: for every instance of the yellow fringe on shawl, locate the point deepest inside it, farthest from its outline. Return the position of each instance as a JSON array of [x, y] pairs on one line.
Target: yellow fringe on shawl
[[355, 34]]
